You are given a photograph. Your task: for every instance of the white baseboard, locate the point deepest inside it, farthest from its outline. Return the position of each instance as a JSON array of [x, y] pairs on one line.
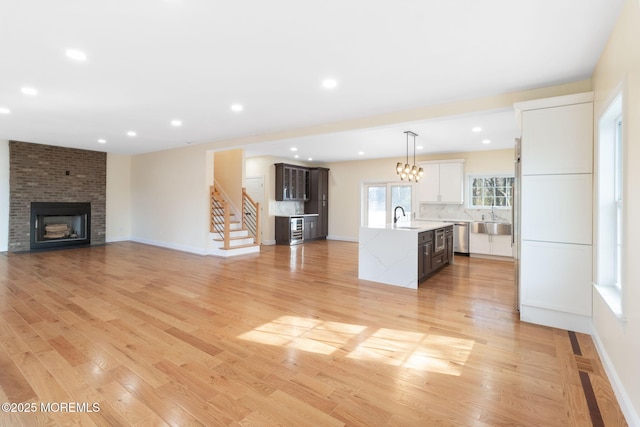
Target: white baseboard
[[182, 248], [556, 319], [117, 239], [343, 238], [493, 257], [626, 406]]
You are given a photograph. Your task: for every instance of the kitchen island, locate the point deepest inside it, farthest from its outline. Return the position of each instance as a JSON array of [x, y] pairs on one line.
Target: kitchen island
[[404, 254]]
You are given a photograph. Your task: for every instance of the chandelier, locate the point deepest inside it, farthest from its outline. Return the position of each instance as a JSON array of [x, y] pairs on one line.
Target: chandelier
[[407, 171]]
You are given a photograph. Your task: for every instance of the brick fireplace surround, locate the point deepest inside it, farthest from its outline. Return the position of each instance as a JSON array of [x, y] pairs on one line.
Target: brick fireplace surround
[[45, 173]]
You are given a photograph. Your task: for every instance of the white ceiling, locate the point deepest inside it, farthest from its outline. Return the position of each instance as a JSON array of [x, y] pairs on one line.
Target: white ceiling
[[451, 134], [152, 61]]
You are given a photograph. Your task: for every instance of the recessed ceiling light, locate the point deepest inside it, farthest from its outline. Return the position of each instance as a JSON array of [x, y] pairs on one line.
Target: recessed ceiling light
[[476, 129], [329, 83], [237, 107], [176, 123], [296, 156], [360, 153], [4, 110], [102, 141], [419, 147], [294, 149], [309, 159], [76, 55], [486, 141], [29, 91], [131, 133]]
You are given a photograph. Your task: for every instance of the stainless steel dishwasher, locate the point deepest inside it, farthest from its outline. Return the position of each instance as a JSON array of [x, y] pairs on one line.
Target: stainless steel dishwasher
[[461, 238]]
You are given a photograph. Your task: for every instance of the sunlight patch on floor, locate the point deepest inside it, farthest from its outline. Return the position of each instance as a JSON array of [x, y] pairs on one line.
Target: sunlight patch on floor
[[407, 349], [414, 350]]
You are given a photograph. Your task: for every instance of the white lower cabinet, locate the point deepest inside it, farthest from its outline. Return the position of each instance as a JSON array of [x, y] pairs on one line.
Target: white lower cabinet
[[558, 208], [490, 244], [556, 276], [501, 245]]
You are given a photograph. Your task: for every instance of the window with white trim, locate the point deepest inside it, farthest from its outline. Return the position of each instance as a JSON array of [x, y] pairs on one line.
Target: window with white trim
[[610, 229], [617, 194], [488, 191]]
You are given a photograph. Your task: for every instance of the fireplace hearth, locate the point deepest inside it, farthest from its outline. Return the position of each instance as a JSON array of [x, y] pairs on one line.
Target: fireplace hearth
[[58, 225]]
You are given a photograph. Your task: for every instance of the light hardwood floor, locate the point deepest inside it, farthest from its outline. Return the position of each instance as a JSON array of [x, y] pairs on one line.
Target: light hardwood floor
[[287, 337]]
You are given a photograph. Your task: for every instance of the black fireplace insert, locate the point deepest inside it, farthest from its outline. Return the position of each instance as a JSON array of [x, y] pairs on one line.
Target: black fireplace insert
[[59, 224]]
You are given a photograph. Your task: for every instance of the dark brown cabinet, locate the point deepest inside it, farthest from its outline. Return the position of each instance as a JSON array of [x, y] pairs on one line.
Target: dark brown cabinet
[[291, 230], [292, 182], [310, 227], [425, 250], [319, 199], [310, 185], [435, 250], [449, 237]]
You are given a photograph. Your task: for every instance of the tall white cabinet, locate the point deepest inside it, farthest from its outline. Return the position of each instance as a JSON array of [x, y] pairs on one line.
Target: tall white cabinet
[[556, 211]]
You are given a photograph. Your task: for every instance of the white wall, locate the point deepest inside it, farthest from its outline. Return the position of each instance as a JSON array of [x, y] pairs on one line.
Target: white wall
[[619, 340], [118, 198], [4, 196], [170, 199], [228, 167]]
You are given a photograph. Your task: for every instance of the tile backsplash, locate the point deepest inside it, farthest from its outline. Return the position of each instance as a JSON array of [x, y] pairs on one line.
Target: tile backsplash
[[288, 208], [453, 212]]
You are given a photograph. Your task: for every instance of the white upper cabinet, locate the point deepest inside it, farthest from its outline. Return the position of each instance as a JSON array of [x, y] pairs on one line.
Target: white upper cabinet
[[442, 182], [558, 140]]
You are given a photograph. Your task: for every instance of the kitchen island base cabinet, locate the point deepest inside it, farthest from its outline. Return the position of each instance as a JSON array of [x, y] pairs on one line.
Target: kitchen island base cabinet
[[402, 255], [425, 252], [435, 250]]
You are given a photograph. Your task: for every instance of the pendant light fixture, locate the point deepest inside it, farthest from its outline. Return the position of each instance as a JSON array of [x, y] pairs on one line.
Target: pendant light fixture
[[407, 171]]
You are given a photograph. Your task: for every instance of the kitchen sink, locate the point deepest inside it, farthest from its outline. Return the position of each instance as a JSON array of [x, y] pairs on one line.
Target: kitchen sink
[[491, 227], [407, 228]]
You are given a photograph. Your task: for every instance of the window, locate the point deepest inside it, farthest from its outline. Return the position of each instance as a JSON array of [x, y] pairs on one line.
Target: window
[[376, 205], [610, 256], [381, 199], [491, 191], [617, 194]]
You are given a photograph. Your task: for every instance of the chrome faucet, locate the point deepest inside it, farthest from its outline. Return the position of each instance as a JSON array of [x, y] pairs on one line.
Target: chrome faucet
[[395, 210], [493, 214]]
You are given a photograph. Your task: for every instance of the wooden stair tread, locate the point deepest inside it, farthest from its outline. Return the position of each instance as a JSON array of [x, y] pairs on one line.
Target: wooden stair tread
[[217, 239], [248, 245]]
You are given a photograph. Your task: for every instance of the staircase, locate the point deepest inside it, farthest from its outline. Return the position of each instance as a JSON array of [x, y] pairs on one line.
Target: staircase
[[230, 233]]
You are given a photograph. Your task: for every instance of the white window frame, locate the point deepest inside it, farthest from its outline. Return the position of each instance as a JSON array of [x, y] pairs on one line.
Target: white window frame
[[388, 206], [470, 179], [610, 211]]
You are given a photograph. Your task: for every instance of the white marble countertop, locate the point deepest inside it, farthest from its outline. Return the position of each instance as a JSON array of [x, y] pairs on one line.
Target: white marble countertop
[[415, 226], [444, 219]]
